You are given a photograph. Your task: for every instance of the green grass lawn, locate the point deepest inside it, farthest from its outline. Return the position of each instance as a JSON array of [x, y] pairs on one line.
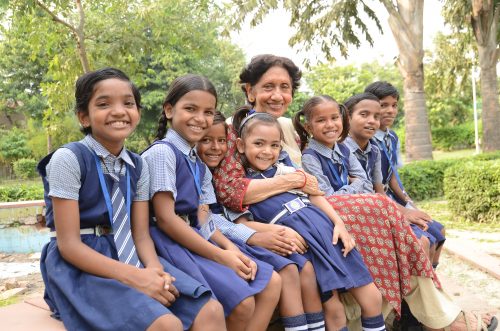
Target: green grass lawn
[[442, 155], [438, 209]]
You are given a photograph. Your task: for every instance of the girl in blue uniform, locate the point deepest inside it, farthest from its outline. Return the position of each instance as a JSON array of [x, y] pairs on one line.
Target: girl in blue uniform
[[338, 266], [330, 161], [277, 245], [100, 269], [388, 143], [364, 121], [181, 191]]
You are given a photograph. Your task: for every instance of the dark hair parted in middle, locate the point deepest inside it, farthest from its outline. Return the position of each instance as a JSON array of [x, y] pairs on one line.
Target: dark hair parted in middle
[[357, 98], [307, 112], [85, 86], [258, 66], [179, 87], [382, 89]]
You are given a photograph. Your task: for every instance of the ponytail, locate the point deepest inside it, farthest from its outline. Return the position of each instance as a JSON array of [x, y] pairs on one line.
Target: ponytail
[[162, 127], [301, 130], [345, 122], [239, 115]]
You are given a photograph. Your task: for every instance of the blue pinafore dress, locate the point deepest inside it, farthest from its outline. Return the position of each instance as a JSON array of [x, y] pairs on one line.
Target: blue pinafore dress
[[433, 232], [227, 287], [333, 270], [278, 262], [87, 302]]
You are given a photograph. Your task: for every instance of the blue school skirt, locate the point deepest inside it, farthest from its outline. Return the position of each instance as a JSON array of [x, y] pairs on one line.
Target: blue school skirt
[[333, 270], [227, 287], [433, 233], [88, 302]]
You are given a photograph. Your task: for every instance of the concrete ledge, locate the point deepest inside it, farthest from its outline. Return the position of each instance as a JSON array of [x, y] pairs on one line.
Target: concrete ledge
[[32, 314], [22, 204], [471, 254]]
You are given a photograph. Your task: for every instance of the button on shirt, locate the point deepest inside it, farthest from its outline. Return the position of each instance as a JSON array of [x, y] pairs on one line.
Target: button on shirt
[[375, 174], [63, 171], [313, 166]]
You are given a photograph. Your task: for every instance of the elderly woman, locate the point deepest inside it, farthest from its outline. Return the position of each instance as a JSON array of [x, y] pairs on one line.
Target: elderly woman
[[397, 263]]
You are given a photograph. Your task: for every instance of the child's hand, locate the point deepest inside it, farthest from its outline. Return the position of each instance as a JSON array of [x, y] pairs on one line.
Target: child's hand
[[340, 232], [274, 240], [240, 263], [299, 242], [155, 283], [352, 179], [417, 217]]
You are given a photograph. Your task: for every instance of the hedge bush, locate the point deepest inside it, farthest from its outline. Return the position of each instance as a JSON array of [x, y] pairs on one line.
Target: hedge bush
[[453, 137], [21, 192], [473, 190], [424, 179], [25, 168]]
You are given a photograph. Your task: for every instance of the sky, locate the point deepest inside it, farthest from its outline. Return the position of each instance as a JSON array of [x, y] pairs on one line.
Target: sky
[[271, 36]]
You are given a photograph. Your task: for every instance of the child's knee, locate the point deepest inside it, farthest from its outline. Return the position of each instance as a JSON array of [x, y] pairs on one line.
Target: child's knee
[[244, 310], [289, 275], [214, 309], [425, 243], [167, 322], [275, 283], [307, 273]]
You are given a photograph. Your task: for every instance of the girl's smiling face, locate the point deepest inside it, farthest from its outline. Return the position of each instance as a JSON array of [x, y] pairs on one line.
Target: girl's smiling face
[[112, 113], [212, 147], [325, 124], [365, 119], [192, 115], [261, 146], [273, 92]]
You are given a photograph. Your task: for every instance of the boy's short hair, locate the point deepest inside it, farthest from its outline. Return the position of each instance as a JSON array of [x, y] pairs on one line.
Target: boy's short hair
[[382, 89]]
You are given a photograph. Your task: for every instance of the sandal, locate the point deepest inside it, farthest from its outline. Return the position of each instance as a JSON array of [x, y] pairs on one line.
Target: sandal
[[480, 325]]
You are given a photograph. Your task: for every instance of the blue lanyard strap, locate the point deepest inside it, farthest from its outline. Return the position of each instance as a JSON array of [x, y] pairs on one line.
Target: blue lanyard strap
[[105, 192], [195, 171], [341, 177], [391, 166]]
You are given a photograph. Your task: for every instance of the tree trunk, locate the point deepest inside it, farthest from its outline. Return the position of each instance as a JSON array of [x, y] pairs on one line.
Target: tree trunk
[[49, 142], [406, 22], [484, 23]]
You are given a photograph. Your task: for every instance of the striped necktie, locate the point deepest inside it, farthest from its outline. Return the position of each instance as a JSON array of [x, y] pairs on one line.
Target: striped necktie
[[388, 146], [121, 228]]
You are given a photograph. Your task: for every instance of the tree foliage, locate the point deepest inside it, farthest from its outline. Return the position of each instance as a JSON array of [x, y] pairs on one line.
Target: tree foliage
[[152, 41]]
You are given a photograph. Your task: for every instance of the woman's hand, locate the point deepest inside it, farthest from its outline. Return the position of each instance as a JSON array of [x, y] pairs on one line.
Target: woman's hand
[[309, 184], [299, 242], [274, 240], [340, 232], [239, 262], [155, 283]]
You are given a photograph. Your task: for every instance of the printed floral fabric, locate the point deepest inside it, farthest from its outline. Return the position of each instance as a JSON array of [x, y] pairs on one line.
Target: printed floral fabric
[[389, 248], [229, 178]]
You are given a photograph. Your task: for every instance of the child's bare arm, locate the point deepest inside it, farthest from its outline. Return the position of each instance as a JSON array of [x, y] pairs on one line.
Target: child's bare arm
[[379, 188], [394, 185]]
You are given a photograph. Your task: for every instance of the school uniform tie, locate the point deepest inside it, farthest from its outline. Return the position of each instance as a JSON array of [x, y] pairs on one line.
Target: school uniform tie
[[388, 146], [121, 228]]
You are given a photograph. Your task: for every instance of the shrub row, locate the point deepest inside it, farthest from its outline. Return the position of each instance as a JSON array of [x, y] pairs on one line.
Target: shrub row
[[424, 179], [448, 138], [21, 192], [473, 190]]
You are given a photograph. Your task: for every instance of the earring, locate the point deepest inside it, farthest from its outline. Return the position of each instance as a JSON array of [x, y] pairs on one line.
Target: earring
[[251, 98]]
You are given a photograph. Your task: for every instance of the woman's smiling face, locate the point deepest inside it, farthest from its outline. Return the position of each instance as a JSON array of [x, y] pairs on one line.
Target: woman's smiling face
[[273, 93]]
